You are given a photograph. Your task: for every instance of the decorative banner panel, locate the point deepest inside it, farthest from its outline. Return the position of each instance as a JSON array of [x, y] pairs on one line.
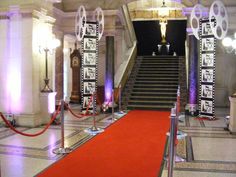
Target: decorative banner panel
[[207, 69], [89, 65]]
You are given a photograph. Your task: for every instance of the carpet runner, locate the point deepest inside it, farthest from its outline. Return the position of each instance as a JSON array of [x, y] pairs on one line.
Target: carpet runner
[[131, 147]]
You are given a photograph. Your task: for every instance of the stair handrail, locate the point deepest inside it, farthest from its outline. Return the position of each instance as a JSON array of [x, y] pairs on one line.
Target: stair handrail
[[123, 72]]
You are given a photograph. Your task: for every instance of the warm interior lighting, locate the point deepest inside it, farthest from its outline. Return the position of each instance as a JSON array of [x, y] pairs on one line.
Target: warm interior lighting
[[227, 42], [234, 44], [54, 43], [230, 44], [47, 44]]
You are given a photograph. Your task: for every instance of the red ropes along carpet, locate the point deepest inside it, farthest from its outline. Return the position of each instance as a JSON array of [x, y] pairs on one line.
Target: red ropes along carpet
[[131, 147]]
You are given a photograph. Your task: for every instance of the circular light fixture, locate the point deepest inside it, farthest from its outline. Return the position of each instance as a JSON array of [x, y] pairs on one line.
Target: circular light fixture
[[234, 43], [227, 42]]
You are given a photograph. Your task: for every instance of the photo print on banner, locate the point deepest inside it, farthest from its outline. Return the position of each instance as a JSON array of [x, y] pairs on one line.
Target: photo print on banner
[[89, 59], [206, 91], [207, 75], [89, 65], [207, 69], [206, 106], [207, 59]]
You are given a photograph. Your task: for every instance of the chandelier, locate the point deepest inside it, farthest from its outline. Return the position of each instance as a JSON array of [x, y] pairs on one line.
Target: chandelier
[[230, 44]]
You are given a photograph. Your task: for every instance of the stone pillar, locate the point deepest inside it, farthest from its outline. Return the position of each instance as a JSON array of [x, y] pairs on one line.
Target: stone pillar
[[193, 74], [109, 74], [4, 20], [232, 120], [59, 63]]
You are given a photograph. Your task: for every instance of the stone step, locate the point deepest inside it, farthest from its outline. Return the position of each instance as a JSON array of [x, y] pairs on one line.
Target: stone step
[[160, 63], [148, 107], [155, 82], [154, 94], [158, 72], [160, 57], [138, 78], [158, 98], [157, 76], [159, 66], [150, 102], [158, 69], [156, 86], [154, 89]]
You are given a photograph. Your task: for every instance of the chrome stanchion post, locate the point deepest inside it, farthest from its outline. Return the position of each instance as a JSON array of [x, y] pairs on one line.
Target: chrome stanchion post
[[113, 115], [179, 134], [94, 129], [120, 108], [62, 149], [171, 143]]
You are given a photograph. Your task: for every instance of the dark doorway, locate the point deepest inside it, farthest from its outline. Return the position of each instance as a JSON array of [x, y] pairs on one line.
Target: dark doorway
[[149, 36]]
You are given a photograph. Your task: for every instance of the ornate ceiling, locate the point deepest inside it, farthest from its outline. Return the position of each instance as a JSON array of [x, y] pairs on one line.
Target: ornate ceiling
[[72, 5]]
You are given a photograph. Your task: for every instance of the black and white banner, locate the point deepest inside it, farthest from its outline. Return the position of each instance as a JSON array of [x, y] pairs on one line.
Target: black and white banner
[[207, 69], [89, 65]]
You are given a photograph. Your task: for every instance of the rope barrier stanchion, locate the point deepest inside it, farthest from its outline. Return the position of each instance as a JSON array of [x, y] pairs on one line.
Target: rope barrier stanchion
[[112, 118], [62, 149], [121, 112], [172, 143], [113, 111], [94, 129], [179, 134]]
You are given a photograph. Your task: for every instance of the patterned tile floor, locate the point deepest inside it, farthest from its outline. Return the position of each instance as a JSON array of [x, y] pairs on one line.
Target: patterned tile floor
[[208, 148], [22, 156]]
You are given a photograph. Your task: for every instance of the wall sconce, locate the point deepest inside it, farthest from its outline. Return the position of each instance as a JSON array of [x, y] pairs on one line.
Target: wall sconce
[[230, 44]]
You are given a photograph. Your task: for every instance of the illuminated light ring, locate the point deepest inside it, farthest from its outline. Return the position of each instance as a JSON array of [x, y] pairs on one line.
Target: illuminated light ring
[[219, 13], [98, 16], [196, 15], [80, 23]]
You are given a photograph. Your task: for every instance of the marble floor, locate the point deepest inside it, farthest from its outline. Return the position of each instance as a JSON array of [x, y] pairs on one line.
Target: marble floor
[[209, 149]]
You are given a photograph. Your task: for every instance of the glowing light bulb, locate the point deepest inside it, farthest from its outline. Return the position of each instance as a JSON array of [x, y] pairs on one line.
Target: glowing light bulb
[[234, 43], [227, 42]]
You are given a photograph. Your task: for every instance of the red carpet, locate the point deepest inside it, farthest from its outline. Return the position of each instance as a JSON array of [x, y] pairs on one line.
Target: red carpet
[[131, 147]]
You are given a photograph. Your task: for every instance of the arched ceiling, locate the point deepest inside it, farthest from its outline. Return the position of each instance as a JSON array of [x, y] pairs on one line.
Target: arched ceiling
[[72, 5]]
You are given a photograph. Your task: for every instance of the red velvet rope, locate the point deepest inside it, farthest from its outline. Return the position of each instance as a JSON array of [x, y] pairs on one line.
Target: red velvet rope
[[27, 134], [86, 113]]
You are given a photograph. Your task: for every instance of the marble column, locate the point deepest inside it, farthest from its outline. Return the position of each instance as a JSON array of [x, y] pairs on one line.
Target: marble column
[[59, 63], [109, 74], [232, 120], [193, 74]]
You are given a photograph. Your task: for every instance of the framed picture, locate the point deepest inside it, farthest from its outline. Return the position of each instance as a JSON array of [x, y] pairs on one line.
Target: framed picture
[[207, 75], [91, 29], [206, 29], [89, 59], [90, 44], [208, 59], [86, 100], [208, 44], [89, 87], [89, 73], [206, 106], [207, 91]]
